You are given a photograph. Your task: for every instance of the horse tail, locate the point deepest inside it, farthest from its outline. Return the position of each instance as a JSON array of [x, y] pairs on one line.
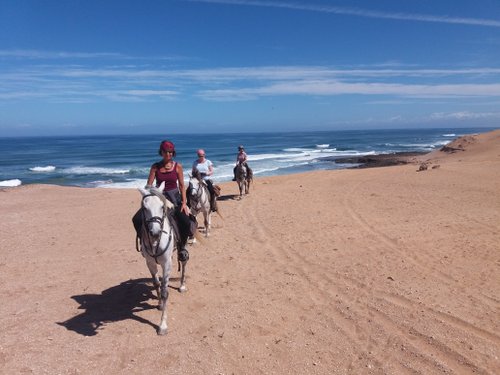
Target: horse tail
[[198, 237]]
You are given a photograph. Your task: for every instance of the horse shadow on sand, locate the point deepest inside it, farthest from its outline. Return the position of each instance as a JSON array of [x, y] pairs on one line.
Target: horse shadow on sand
[[227, 197], [114, 304]]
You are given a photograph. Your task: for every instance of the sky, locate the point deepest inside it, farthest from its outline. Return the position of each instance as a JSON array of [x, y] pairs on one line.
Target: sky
[[180, 66]]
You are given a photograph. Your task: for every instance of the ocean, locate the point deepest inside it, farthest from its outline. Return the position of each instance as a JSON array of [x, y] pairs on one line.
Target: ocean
[[124, 161]]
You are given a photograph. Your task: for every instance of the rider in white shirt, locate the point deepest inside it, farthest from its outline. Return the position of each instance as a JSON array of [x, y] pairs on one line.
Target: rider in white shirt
[[206, 169]]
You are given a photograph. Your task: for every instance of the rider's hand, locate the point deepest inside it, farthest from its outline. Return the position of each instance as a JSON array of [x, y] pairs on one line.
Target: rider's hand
[[185, 208]]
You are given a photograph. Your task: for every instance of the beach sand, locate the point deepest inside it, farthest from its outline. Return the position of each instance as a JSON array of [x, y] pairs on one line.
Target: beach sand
[[373, 271]]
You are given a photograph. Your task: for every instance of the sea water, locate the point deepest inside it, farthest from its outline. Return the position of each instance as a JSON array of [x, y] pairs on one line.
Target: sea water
[[124, 161]]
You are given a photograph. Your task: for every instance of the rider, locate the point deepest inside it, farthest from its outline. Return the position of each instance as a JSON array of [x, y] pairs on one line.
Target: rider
[[206, 169], [241, 158], [170, 172]]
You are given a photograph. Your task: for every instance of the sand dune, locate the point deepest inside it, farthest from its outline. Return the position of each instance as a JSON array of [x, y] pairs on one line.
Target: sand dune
[[374, 271]]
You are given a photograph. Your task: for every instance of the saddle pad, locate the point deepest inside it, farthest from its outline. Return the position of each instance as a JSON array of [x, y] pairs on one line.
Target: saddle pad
[[217, 190]]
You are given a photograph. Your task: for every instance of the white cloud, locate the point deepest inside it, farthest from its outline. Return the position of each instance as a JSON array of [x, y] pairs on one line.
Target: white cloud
[[359, 12], [463, 115], [80, 84], [325, 87], [150, 92], [54, 55], [36, 54]]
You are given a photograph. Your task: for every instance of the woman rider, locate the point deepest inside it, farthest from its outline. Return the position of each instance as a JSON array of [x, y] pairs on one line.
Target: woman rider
[[170, 172], [206, 169], [241, 158]]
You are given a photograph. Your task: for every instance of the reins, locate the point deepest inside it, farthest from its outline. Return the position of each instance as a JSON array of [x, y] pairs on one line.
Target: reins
[[151, 250], [199, 194]]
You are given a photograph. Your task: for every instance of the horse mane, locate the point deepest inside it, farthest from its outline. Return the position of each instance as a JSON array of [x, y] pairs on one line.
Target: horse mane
[[157, 192], [196, 174]]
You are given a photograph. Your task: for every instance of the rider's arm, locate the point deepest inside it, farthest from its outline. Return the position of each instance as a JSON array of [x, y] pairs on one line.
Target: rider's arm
[[210, 169], [152, 174], [180, 179]]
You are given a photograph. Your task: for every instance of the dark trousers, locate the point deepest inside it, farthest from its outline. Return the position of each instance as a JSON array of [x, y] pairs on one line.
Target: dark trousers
[[181, 221], [210, 186]]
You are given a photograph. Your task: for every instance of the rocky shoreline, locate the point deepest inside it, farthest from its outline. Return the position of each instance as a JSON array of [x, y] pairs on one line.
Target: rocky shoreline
[[380, 160]]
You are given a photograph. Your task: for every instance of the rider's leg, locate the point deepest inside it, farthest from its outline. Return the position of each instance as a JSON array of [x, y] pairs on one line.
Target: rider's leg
[[137, 221], [210, 186], [183, 222], [188, 196]]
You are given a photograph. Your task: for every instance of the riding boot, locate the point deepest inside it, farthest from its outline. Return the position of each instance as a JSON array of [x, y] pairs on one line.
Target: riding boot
[[182, 253], [213, 203]]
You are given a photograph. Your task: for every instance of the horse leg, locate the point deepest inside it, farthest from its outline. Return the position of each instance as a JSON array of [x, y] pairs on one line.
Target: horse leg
[[206, 216], [167, 266], [153, 268], [240, 185], [183, 287]]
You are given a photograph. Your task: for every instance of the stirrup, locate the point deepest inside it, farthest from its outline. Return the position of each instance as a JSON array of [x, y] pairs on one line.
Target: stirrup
[[183, 255]]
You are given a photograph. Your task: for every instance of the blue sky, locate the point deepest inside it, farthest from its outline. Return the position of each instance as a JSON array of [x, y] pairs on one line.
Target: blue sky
[[131, 67]]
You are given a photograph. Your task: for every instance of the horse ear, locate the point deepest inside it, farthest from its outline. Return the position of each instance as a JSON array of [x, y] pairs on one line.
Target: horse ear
[[143, 191]]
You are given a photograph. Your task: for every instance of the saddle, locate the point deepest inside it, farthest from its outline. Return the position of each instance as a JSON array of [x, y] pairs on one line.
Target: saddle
[[193, 225], [217, 190]]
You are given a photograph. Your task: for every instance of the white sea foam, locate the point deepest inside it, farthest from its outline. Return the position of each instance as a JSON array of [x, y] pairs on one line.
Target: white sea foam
[[266, 156], [296, 149], [324, 145], [95, 170], [449, 135], [441, 143], [424, 146], [11, 183], [264, 170], [48, 168], [129, 184]]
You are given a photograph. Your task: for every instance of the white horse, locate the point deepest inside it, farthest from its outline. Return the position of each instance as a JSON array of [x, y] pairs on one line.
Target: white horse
[[199, 198], [243, 178], [157, 244]]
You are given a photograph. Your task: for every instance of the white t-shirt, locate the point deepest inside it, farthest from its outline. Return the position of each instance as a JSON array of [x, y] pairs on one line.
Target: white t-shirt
[[203, 168]]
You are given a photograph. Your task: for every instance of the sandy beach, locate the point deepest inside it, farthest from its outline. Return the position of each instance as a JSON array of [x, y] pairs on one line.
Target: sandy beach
[[367, 271]]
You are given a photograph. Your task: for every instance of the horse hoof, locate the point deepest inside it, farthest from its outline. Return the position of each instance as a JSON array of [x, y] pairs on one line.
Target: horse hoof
[[183, 289], [161, 331]]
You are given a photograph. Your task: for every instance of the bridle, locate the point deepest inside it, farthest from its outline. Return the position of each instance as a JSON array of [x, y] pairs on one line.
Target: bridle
[[241, 172], [197, 203], [151, 250]]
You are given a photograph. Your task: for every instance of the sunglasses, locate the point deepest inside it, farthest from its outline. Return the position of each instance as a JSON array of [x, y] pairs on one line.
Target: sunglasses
[[200, 155]]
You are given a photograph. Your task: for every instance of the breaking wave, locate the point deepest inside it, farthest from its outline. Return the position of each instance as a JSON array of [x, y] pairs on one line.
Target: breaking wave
[[48, 168], [11, 183]]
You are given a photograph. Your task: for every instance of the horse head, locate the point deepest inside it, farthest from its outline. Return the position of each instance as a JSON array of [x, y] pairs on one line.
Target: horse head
[[194, 184], [241, 171], [197, 174], [154, 210]]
